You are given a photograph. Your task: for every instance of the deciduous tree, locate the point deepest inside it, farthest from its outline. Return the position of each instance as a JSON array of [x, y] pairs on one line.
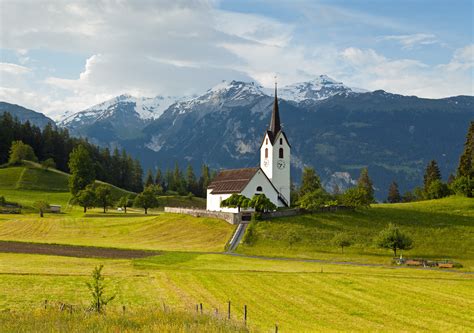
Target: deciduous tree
[[86, 197], [103, 196], [342, 240], [20, 151], [81, 168], [41, 206], [147, 199], [392, 238], [310, 181]]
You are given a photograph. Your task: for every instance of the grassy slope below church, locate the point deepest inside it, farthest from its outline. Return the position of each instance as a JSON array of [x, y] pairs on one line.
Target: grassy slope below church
[[439, 229]]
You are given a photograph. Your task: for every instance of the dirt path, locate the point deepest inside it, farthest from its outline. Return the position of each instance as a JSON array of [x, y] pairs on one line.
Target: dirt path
[[73, 251]]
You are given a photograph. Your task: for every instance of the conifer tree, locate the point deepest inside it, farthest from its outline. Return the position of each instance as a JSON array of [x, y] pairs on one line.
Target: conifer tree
[[190, 180], [204, 180], [149, 178], [393, 193], [159, 178], [432, 173], [466, 161], [365, 183]]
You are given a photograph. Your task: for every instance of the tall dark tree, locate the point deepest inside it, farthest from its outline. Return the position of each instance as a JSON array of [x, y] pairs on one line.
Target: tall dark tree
[[149, 179], [432, 173], [466, 161], [191, 180], [366, 183], [159, 178], [204, 180], [393, 193], [82, 169]]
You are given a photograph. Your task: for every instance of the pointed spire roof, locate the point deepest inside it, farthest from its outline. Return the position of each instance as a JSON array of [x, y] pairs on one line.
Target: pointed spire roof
[[275, 126]]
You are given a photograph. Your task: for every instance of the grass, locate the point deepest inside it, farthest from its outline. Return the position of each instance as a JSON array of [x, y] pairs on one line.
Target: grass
[[295, 295], [147, 319], [132, 230], [439, 229]]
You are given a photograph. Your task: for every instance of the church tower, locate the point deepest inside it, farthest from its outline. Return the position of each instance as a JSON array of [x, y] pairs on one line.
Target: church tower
[[275, 155]]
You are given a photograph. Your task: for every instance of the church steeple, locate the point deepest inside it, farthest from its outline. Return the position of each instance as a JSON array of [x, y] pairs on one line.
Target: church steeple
[[275, 121]]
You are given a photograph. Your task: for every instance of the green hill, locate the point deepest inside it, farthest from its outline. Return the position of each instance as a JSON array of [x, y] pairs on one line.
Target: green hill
[[439, 229]]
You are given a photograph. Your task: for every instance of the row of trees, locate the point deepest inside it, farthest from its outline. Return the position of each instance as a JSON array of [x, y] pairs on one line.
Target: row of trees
[[433, 186], [55, 145], [311, 195], [181, 182]]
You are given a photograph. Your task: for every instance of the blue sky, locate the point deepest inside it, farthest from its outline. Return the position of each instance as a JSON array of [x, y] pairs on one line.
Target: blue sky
[[58, 55]]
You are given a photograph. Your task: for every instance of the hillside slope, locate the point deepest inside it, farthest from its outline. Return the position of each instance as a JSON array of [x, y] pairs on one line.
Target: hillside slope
[[439, 228]]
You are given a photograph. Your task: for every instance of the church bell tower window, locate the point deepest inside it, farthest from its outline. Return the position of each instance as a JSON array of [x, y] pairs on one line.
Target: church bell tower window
[[266, 152], [280, 153]]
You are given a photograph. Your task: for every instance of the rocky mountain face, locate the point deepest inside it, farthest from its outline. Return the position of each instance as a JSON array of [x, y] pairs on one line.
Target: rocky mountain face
[[120, 118], [24, 114], [332, 127]]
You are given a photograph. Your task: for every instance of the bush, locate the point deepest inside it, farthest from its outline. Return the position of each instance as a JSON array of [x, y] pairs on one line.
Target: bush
[[463, 186], [342, 240], [314, 200], [48, 164], [97, 289], [293, 237], [437, 190], [250, 236], [356, 197]]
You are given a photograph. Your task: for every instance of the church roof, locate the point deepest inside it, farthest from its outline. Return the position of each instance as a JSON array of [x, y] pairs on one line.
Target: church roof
[[232, 180]]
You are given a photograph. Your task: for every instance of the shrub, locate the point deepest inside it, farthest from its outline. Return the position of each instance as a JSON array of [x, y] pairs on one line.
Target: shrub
[[250, 236], [48, 164], [437, 189], [97, 289], [463, 186], [356, 197], [293, 237], [314, 200]]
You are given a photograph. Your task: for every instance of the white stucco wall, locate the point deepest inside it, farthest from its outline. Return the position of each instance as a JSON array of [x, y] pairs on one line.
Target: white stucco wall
[[259, 179]]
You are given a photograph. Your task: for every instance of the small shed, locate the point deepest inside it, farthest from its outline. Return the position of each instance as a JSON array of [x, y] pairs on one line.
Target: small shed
[[55, 208]]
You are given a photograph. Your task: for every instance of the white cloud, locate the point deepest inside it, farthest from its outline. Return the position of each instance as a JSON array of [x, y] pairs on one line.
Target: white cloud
[[413, 40], [13, 68], [147, 48]]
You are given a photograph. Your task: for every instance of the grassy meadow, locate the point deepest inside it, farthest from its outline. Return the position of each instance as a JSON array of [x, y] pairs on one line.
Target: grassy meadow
[[439, 228], [192, 268]]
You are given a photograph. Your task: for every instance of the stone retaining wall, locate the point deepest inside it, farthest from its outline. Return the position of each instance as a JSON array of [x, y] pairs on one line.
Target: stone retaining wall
[[232, 218]]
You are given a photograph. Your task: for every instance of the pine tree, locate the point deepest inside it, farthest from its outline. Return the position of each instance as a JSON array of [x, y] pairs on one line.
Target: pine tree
[[190, 180], [432, 173], [159, 178], [204, 180], [365, 183], [149, 178], [466, 161], [393, 193]]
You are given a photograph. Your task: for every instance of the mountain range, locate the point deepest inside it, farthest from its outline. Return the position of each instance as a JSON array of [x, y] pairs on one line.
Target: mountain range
[[332, 127]]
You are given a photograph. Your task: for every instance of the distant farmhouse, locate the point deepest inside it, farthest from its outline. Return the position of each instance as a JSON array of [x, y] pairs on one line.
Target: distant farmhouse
[[272, 178]]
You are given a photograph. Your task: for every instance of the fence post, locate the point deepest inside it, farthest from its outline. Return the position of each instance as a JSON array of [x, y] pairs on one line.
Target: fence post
[[245, 314], [197, 308], [276, 328], [200, 306], [228, 311]]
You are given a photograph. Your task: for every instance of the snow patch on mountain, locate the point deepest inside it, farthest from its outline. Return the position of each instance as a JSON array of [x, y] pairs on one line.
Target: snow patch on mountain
[[144, 107], [322, 87]]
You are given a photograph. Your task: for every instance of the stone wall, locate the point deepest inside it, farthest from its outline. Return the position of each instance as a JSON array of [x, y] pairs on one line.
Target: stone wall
[[282, 213], [232, 218]]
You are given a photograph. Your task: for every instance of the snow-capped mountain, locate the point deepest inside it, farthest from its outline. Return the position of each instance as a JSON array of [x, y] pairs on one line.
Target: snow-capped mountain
[[226, 93], [142, 107], [322, 87]]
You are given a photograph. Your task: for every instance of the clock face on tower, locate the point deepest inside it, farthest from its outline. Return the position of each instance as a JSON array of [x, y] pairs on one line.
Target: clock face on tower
[[265, 162], [280, 164]]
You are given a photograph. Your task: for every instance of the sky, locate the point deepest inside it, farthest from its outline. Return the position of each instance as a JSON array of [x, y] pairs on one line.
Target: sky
[[58, 56]]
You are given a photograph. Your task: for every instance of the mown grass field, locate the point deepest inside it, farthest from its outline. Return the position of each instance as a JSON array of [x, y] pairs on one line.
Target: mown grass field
[[298, 296], [295, 295], [439, 229]]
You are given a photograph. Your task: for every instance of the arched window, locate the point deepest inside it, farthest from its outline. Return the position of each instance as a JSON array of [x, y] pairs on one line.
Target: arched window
[[259, 189], [266, 152], [266, 141], [281, 141], [280, 153]]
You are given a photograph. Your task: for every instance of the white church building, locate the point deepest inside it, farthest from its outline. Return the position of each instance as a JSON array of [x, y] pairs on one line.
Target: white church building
[[271, 178]]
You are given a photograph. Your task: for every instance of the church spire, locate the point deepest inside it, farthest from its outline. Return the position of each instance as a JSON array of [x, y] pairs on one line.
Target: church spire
[[275, 121]]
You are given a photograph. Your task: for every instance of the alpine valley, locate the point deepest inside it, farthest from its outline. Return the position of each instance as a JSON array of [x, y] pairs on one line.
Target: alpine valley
[[334, 128]]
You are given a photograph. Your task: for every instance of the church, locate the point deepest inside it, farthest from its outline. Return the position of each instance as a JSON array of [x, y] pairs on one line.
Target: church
[[271, 178]]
